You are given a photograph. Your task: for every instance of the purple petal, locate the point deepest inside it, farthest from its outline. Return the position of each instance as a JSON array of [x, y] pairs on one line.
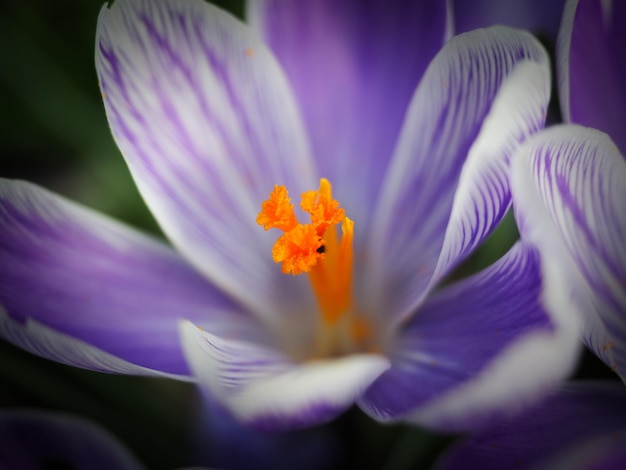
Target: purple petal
[[44, 440], [478, 348], [569, 192], [483, 94], [592, 66], [204, 117], [354, 66], [580, 426], [264, 388], [82, 289]]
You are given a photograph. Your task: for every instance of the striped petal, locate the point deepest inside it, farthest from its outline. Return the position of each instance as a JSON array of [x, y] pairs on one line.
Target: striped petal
[[204, 117], [476, 349], [591, 56], [483, 93], [81, 289], [580, 426], [569, 191], [354, 66], [264, 388]]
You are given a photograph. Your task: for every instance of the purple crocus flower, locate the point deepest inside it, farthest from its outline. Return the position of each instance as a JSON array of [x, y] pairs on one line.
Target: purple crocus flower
[[411, 138], [581, 425], [569, 184]]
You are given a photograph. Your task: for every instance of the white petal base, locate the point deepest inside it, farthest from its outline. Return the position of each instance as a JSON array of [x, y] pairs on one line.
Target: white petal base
[[265, 389]]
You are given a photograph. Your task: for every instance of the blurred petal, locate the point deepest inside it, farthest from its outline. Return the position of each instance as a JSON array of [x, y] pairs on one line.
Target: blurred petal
[[265, 389], [80, 288], [354, 66], [44, 440], [204, 117], [592, 66], [580, 426], [476, 349], [569, 189], [459, 109]]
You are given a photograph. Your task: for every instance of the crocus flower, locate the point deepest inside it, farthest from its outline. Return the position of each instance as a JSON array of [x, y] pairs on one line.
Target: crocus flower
[[568, 192], [581, 425], [34, 439], [570, 183], [397, 144]]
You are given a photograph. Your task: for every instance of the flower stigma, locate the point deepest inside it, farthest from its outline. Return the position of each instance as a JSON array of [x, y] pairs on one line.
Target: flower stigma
[[316, 249]]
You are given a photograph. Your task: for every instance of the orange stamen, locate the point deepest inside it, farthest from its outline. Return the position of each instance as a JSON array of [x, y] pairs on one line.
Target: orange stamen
[[324, 210], [298, 249], [316, 249], [277, 211]]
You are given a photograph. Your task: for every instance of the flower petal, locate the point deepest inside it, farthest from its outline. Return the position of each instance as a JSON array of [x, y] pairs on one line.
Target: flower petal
[[82, 289], [477, 348], [577, 427], [482, 196], [469, 105], [591, 56], [354, 66], [569, 193], [265, 389], [205, 119], [34, 439]]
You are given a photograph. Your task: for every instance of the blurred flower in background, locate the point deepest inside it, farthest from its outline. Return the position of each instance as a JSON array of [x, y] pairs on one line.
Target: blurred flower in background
[[570, 182], [568, 187]]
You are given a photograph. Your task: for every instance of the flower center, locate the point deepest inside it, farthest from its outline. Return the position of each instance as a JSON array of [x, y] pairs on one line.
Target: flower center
[[316, 249]]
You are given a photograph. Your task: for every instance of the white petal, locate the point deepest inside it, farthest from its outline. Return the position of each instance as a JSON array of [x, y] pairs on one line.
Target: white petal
[[483, 193], [262, 387], [569, 190], [445, 118], [205, 119]]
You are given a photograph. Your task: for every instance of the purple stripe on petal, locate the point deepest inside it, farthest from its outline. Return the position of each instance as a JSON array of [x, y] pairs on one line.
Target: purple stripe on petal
[[263, 387], [592, 66], [568, 184], [464, 356], [38, 339], [205, 119], [482, 196], [71, 273], [354, 66], [580, 426], [44, 440], [447, 116]]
